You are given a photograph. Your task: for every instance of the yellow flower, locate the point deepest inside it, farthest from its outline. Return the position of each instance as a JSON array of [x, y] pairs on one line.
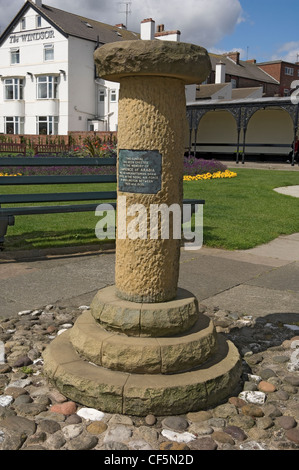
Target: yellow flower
[[208, 176]]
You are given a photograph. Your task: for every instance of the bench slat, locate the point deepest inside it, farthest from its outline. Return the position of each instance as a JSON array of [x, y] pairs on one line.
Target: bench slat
[[38, 210], [58, 179], [56, 161], [55, 197]]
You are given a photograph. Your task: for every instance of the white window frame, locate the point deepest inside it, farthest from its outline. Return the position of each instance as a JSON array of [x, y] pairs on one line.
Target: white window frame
[[17, 89], [48, 50], [23, 23], [38, 21], [289, 71], [14, 55], [113, 96], [50, 124], [101, 96], [17, 122], [46, 87]]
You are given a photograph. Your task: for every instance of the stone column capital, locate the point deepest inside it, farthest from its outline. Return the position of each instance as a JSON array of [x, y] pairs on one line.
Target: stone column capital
[[187, 62]]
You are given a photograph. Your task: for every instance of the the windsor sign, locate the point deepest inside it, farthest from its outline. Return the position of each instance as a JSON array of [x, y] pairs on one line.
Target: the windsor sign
[[36, 36]]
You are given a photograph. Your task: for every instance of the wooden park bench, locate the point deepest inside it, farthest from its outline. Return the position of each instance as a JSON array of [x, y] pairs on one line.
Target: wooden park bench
[[46, 149], [21, 201], [6, 147]]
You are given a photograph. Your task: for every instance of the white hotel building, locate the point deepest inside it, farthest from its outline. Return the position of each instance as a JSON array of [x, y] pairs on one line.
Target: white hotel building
[[48, 82]]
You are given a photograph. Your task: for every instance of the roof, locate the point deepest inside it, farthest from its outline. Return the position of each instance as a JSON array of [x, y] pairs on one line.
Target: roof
[[242, 69], [70, 24], [205, 92], [239, 93]]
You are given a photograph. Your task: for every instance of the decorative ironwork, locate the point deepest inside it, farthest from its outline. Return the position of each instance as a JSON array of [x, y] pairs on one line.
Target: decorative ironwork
[[242, 111]]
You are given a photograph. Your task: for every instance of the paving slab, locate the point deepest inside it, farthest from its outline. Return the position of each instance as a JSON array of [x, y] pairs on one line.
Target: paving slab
[[284, 248], [256, 301]]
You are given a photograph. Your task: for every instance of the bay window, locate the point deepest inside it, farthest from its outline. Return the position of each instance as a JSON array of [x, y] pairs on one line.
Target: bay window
[[47, 86], [13, 89], [14, 125], [47, 125]]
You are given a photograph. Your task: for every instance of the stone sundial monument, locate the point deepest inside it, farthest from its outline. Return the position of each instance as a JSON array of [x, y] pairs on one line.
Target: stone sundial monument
[[145, 346]]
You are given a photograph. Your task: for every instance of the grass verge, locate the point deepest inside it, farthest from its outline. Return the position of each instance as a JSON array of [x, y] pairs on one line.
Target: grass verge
[[239, 213]]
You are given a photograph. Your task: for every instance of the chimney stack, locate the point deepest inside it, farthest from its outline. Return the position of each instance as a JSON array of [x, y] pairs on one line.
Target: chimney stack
[[147, 29], [220, 73], [235, 56], [121, 26]]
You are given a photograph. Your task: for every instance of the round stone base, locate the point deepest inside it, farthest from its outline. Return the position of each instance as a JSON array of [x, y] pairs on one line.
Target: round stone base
[[145, 319], [141, 394], [94, 363], [143, 355]]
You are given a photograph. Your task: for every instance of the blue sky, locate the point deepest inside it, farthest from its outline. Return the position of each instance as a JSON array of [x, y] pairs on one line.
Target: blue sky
[[261, 29], [268, 28]]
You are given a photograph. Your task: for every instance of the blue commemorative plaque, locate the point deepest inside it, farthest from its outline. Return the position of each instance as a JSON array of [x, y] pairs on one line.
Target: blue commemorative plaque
[[139, 171]]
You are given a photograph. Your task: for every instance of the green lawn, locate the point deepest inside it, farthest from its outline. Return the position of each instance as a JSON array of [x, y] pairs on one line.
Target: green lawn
[[239, 213]]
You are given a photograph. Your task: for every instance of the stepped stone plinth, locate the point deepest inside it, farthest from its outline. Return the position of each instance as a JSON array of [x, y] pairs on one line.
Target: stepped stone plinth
[[146, 345]]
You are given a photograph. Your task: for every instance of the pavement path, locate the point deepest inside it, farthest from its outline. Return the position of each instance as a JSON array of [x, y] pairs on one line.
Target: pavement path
[[260, 281]]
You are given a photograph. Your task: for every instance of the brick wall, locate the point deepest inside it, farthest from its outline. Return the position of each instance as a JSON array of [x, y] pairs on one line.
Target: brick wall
[[56, 139], [277, 71], [269, 88]]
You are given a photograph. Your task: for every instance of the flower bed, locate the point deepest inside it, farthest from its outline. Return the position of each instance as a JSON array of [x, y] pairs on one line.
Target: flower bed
[[196, 169], [208, 176], [199, 166]]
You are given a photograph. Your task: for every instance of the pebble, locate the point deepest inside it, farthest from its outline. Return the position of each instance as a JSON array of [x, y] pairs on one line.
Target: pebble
[[266, 387], [90, 414], [204, 443], [178, 437], [97, 427], [150, 420], [118, 433], [5, 400], [252, 410], [176, 423], [253, 397], [263, 414], [293, 435], [236, 432], [267, 373], [286, 422], [66, 408]]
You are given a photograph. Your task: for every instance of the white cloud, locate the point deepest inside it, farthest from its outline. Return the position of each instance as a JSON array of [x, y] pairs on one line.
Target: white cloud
[[203, 22], [288, 52]]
